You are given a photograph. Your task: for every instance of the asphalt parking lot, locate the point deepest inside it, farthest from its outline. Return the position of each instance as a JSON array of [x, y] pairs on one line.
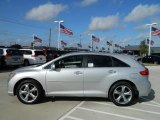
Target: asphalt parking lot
[[147, 108]]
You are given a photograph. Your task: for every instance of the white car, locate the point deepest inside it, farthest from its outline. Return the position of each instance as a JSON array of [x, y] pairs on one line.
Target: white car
[[32, 56], [11, 57]]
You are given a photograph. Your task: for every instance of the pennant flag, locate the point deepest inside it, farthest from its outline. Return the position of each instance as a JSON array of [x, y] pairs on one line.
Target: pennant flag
[[79, 45], [95, 39], [108, 43], [63, 43], [89, 46], [65, 30], [116, 45], [152, 42], [36, 39], [155, 31]]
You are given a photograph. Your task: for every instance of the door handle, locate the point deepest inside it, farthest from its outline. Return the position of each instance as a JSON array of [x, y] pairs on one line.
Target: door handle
[[78, 72]]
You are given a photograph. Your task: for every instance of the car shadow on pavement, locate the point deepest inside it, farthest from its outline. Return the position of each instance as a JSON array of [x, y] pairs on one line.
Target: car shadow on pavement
[[148, 98]]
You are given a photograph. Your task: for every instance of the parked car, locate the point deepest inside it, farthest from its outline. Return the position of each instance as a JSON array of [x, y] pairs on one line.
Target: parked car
[[50, 54], [155, 59], [32, 56], [118, 77], [11, 57]]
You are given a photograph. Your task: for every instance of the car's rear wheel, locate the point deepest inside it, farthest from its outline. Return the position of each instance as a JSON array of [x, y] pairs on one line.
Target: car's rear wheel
[[29, 92], [122, 94]]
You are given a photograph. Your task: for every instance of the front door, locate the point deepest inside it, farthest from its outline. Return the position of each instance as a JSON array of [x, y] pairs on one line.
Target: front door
[[67, 78]]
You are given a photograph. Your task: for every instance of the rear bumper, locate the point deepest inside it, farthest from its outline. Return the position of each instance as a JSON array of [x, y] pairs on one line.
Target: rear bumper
[[144, 88]]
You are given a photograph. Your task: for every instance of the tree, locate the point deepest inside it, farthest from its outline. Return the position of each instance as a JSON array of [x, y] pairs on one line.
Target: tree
[[17, 46], [143, 48]]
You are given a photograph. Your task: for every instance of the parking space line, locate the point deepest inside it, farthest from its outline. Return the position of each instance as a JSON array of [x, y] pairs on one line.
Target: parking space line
[[150, 105], [72, 110], [151, 101], [129, 108], [113, 114], [74, 118]]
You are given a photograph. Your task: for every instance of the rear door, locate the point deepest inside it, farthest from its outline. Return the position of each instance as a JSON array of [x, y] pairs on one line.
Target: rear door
[[98, 74]]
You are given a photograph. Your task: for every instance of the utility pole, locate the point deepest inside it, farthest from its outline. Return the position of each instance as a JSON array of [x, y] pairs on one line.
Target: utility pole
[[49, 37]]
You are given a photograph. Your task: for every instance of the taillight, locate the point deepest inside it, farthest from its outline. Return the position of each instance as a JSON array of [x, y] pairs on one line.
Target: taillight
[[34, 55], [145, 72], [8, 56]]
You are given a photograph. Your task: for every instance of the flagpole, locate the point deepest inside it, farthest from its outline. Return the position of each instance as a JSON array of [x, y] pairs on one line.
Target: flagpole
[[150, 35], [59, 22], [91, 42], [33, 42]]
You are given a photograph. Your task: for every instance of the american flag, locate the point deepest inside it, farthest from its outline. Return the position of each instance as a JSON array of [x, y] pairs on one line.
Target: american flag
[[155, 31], [36, 39], [95, 39], [65, 30], [108, 43], [79, 45], [152, 42], [63, 43]]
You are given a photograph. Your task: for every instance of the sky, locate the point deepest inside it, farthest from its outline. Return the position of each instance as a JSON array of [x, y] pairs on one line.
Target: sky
[[121, 21]]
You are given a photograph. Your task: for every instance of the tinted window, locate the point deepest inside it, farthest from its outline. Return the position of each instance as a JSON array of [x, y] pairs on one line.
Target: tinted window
[[14, 52], [99, 61], [39, 53], [27, 52], [1, 51], [119, 63], [70, 62]]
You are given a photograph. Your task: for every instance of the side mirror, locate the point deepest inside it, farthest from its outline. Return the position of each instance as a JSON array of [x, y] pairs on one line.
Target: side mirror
[[53, 67]]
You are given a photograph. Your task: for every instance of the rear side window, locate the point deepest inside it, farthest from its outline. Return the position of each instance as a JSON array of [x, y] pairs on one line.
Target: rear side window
[[26, 52], [1, 51], [119, 63], [14, 52], [99, 61], [39, 53]]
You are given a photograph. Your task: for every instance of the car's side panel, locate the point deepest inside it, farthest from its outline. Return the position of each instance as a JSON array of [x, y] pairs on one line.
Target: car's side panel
[[65, 82]]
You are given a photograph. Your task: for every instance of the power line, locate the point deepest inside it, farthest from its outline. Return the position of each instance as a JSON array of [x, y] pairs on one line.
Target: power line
[[19, 23]]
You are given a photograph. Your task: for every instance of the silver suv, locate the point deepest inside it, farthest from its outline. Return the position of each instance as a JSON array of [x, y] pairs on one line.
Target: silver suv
[[117, 77], [11, 57]]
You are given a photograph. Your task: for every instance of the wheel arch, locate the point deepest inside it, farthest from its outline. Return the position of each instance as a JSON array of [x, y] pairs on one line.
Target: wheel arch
[[136, 92], [16, 85]]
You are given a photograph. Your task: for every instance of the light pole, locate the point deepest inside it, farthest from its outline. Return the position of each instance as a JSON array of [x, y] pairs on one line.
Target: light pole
[[150, 35], [59, 22]]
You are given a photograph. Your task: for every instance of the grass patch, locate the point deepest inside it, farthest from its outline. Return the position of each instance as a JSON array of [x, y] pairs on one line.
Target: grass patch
[[151, 64]]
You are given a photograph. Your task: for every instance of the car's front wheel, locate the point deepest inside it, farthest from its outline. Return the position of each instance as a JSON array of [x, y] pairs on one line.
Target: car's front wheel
[[122, 94], [29, 92]]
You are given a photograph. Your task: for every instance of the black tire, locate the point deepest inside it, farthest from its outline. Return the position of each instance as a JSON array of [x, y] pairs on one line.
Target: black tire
[[31, 94], [26, 63], [122, 94]]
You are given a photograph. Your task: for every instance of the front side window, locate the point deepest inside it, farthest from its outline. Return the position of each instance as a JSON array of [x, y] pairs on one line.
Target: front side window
[[99, 61], [70, 62]]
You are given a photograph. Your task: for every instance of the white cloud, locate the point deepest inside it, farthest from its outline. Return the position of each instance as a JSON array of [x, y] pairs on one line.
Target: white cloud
[[126, 40], [141, 12], [141, 27], [142, 36], [104, 23], [88, 2], [45, 12]]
